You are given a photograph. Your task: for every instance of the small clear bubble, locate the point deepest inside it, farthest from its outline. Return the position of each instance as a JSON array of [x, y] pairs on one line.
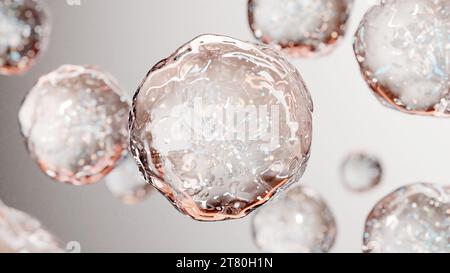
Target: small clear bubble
[[299, 221], [361, 172], [127, 183]]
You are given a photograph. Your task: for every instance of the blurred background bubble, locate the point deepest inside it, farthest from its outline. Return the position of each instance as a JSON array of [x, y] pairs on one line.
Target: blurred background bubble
[[134, 35]]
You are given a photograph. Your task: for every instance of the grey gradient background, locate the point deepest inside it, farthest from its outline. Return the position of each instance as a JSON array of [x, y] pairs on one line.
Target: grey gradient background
[[126, 38]]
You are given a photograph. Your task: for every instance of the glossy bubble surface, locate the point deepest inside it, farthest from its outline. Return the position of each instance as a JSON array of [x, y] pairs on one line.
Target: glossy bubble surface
[[21, 233], [403, 49], [298, 222], [361, 172], [24, 32], [413, 219], [221, 125], [302, 27], [126, 183], [74, 121]]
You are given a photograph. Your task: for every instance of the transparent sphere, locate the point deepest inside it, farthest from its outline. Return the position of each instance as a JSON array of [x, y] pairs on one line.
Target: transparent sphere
[[361, 172], [302, 27], [221, 125], [403, 49], [298, 222], [20, 233], [126, 183], [24, 32], [413, 219], [74, 122]]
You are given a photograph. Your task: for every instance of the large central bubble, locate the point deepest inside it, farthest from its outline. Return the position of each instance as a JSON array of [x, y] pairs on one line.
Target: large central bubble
[[221, 125]]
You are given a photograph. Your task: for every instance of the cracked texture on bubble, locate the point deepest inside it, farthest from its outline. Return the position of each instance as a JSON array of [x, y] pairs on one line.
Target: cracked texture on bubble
[[413, 219], [74, 121], [302, 27], [207, 174], [403, 48]]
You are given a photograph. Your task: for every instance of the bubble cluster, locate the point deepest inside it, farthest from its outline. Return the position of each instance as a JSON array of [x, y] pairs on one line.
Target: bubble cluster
[[361, 172], [74, 121], [20, 233], [24, 32], [302, 27], [221, 126], [126, 183], [298, 222], [403, 49], [413, 219]]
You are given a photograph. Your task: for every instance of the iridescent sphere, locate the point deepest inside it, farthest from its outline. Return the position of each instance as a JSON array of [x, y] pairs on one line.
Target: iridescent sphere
[[302, 27], [221, 126], [24, 33], [74, 122], [413, 219], [126, 183], [20, 233], [298, 222], [403, 48], [361, 172]]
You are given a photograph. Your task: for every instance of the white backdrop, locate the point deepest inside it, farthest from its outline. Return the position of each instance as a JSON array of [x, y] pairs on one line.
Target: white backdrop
[[127, 38]]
